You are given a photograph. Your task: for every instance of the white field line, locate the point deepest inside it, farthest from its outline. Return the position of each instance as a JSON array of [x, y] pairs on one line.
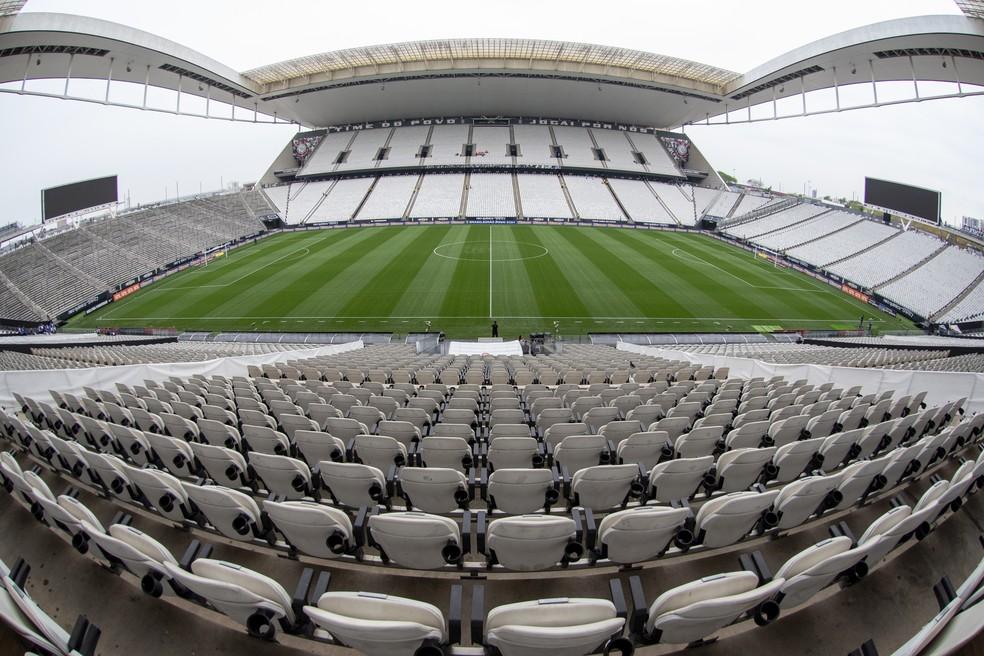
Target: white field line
[[490, 272], [306, 250], [677, 252]]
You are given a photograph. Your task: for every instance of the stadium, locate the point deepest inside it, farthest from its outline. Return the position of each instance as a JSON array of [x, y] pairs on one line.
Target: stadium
[[490, 359]]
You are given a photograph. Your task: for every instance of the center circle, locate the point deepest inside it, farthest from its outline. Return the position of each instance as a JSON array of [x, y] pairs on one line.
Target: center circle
[[479, 251]]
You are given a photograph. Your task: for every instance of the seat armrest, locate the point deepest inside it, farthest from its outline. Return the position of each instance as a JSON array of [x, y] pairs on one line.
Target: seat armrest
[[359, 526], [480, 524], [640, 608], [477, 615], [454, 615], [466, 530]]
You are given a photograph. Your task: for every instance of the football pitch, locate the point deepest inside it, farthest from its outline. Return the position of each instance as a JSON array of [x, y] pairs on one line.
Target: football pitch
[[461, 277]]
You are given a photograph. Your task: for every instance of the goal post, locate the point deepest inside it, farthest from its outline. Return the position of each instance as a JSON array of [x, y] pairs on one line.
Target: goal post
[[772, 256]]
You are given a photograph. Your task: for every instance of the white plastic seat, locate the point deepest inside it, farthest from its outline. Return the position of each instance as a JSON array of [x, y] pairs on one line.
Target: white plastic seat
[[816, 567], [417, 540], [703, 441], [315, 447], [794, 458], [404, 431], [605, 486], [434, 490], [617, 432], [518, 491], [598, 417], [174, 453], [514, 453], [556, 433], [378, 624], [697, 609], [859, 479], [552, 627], [379, 451], [785, 431], [344, 429], [727, 519], [739, 469], [641, 533], [823, 424], [752, 434], [446, 452], [219, 434], [576, 452], [224, 466], [110, 472], [312, 528], [837, 448], [266, 440], [234, 514], [250, 598], [645, 449], [801, 498], [353, 484], [140, 554], [528, 543], [678, 479], [282, 475], [162, 491]]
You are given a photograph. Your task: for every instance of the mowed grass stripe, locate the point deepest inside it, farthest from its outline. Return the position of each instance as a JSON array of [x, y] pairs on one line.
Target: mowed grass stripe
[[383, 291], [468, 288], [785, 293], [598, 296], [512, 289], [704, 290], [264, 291], [552, 291], [679, 291], [616, 275], [427, 289]]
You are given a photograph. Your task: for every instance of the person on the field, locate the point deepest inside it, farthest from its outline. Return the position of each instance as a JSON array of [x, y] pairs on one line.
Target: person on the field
[[495, 328]]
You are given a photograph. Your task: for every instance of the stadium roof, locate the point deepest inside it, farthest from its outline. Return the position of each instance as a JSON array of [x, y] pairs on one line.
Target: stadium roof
[[534, 53], [481, 77]]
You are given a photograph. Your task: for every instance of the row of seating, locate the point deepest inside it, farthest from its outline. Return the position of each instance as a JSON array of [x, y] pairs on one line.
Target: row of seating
[[380, 624], [360, 485]]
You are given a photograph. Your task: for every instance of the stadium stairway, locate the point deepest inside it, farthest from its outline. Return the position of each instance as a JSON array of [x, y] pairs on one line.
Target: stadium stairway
[[666, 207], [618, 201], [735, 205], [918, 264], [865, 250], [961, 296], [22, 297], [78, 273]]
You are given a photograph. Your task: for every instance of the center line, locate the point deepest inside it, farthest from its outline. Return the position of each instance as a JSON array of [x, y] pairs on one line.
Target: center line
[[490, 272]]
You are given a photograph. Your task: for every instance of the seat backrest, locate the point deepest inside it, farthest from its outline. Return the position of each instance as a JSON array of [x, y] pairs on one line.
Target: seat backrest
[[519, 491], [530, 542], [678, 479]]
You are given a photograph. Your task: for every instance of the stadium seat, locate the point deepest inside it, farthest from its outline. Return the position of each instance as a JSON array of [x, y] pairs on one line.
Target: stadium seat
[[816, 567], [312, 528], [696, 610], [352, 484], [378, 624], [519, 491], [234, 514], [416, 540], [434, 490], [528, 543], [256, 601], [737, 470], [641, 533], [727, 519], [514, 453], [572, 626], [287, 477], [605, 486], [678, 479]]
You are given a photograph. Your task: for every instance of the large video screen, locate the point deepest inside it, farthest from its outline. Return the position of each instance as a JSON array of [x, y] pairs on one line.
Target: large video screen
[[56, 201], [923, 203]]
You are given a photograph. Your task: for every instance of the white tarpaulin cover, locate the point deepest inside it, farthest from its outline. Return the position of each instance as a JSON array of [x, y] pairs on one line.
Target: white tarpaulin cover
[[482, 348], [36, 383], [939, 386]]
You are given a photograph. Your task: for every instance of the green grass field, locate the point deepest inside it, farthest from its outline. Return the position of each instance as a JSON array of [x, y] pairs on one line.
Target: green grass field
[[393, 279]]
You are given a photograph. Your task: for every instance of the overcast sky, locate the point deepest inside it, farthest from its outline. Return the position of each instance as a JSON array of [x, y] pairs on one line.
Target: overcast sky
[[932, 144]]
